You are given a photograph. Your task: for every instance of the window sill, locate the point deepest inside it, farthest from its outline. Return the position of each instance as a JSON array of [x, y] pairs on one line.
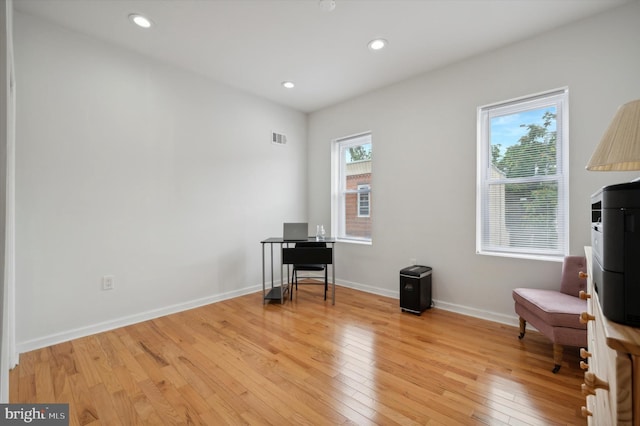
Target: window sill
[[530, 256], [354, 241]]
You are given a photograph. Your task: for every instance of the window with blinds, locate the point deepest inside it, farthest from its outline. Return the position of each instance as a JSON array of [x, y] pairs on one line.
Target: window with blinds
[[523, 194], [351, 215]]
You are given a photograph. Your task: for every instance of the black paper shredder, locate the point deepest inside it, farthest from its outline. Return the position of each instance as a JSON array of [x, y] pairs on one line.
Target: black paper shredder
[[415, 289]]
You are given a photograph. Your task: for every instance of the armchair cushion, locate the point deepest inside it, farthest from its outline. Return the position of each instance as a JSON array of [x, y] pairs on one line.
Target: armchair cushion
[[552, 307]]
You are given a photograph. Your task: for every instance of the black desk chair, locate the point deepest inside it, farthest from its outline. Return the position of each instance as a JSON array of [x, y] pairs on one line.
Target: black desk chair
[[309, 256]]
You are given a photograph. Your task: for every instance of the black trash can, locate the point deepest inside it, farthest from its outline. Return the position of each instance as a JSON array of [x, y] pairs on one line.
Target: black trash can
[[415, 289]]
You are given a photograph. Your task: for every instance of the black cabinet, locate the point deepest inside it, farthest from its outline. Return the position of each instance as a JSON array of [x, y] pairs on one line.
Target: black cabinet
[[415, 289]]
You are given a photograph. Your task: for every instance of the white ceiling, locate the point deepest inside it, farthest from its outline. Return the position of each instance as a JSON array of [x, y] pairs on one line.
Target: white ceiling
[[254, 45]]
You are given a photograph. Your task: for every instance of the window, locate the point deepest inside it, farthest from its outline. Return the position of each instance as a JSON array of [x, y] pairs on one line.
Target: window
[[522, 196], [351, 202], [363, 200]]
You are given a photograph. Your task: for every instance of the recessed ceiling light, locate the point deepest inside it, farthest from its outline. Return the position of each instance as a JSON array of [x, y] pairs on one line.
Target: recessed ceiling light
[[288, 84], [140, 20], [377, 44]]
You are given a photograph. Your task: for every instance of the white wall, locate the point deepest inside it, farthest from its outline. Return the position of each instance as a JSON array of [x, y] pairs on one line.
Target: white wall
[[424, 167], [132, 168], [8, 357]]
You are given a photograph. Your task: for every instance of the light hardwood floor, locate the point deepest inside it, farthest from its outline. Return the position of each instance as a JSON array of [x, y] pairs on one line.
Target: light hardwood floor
[[359, 362]]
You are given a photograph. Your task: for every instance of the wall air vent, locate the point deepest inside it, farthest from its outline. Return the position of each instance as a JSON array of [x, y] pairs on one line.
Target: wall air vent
[[278, 138]]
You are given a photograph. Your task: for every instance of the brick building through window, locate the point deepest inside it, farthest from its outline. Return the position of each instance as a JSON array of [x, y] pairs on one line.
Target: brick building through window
[[358, 212]]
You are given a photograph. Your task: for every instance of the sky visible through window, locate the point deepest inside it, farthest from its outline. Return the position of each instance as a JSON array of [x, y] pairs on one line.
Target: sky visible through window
[[506, 130]]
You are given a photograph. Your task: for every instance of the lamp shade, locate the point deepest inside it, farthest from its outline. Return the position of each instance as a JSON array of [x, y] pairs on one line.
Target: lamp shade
[[619, 149]]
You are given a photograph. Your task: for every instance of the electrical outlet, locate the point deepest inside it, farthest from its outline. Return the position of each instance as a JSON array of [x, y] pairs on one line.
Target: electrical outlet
[[412, 261], [107, 282]]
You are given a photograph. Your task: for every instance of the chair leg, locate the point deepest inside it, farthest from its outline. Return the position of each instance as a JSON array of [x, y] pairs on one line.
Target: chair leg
[[326, 270], [523, 326], [294, 278], [557, 357]]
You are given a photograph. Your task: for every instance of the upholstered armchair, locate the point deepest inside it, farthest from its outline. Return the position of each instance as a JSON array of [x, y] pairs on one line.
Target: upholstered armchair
[[556, 313]]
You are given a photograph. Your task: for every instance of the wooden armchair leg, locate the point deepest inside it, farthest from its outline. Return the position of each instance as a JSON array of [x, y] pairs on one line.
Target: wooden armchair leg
[[557, 357], [523, 326]]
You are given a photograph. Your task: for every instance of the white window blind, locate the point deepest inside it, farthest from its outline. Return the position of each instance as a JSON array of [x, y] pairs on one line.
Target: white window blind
[[523, 194]]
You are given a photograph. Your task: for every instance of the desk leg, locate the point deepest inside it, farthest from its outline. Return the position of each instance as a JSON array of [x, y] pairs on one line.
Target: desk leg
[[333, 275], [271, 266], [289, 286], [263, 277]]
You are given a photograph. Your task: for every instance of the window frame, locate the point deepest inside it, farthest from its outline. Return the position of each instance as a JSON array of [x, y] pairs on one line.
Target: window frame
[[339, 192], [559, 99], [364, 189]]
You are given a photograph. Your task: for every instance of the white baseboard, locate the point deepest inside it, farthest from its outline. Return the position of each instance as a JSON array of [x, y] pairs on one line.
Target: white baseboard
[[368, 289], [65, 336], [53, 339], [460, 309], [478, 313]]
